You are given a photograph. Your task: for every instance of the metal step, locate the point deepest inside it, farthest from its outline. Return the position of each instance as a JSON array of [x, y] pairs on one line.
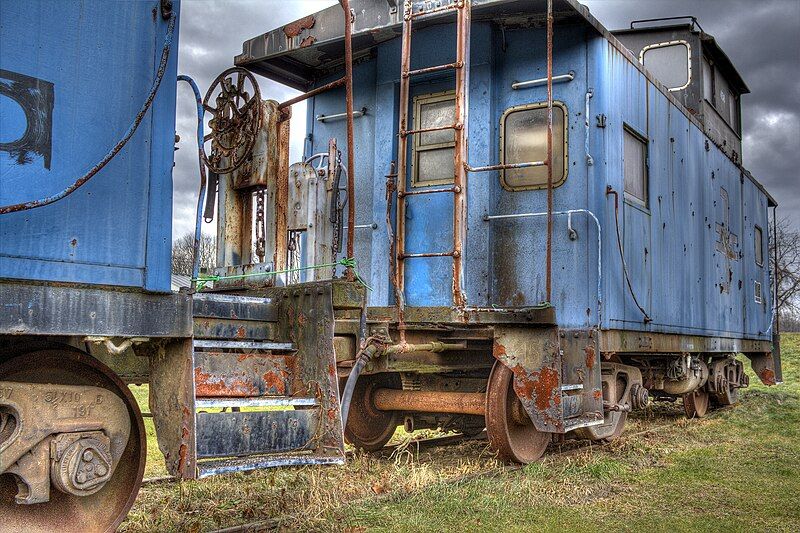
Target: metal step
[[222, 403], [244, 464], [232, 434], [244, 345]]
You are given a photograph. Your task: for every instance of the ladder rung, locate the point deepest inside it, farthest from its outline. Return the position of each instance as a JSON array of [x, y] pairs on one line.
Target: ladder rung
[[506, 166], [428, 254], [449, 7], [430, 191], [437, 68], [247, 345], [456, 126]]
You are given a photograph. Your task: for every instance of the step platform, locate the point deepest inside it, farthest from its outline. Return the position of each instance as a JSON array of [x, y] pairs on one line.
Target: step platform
[[265, 386]]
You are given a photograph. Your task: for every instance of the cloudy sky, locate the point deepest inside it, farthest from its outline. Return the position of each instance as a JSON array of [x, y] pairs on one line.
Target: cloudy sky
[[762, 39]]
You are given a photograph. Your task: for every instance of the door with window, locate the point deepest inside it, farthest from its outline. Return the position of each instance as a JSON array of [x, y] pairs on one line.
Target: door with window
[[429, 217]]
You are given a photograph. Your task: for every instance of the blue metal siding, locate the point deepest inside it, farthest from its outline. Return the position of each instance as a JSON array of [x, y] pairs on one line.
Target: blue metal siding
[[681, 272], [670, 245], [101, 61]]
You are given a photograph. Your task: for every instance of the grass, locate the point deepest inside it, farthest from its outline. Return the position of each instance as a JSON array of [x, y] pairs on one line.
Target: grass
[[738, 470]]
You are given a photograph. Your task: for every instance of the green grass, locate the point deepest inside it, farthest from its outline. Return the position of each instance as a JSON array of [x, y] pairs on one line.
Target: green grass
[[737, 470]]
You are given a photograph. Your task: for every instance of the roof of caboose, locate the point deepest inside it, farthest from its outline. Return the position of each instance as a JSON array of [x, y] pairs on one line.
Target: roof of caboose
[[710, 47], [306, 50], [311, 47]]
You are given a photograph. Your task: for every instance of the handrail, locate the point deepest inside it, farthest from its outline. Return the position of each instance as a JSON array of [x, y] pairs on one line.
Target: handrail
[[569, 213]]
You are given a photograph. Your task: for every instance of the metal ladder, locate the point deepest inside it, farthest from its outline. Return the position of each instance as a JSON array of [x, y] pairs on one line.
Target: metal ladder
[[463, 10], [459, 127]]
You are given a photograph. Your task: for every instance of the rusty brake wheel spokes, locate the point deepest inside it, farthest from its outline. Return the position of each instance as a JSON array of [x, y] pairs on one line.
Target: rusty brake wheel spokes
[[235, 119], [511, 433], [88, 467]]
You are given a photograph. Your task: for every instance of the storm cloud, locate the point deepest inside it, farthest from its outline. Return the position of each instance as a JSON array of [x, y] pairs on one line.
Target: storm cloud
[[761, 38]]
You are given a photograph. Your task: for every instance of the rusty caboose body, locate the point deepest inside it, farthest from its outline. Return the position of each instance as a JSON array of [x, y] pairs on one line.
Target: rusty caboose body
[[507, 218]]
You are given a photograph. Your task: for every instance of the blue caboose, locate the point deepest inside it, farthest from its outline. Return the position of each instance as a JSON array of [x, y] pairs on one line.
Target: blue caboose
[[547, 225]]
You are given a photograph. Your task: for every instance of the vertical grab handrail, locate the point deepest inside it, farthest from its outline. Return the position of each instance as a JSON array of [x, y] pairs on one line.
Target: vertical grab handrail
[[203, 179], [569, 213]]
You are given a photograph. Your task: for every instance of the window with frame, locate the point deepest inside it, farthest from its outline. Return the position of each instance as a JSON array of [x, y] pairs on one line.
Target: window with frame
[[523, 139], [758, 242], [669, 62], [634, 156], [432, 152]]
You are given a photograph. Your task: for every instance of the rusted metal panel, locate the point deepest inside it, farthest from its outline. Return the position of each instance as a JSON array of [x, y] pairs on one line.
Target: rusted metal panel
[[422, 315], [30, 309], [172, 405], [247, 433], [233, 329], [533, 356], [232, 375], [621, 341]]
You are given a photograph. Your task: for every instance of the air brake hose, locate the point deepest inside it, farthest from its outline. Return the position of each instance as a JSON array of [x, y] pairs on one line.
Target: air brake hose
[[162, 68], [369, 351]]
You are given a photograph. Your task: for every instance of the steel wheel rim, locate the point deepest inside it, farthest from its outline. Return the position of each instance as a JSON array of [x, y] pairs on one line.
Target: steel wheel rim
[[367, 427], [695, 403], [66, 513], [513, 442]]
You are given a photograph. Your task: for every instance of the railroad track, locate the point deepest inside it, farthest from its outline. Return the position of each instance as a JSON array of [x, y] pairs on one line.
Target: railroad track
[[275, 523]]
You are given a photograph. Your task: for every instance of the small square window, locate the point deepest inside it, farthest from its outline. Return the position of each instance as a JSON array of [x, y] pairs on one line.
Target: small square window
[[758, 242], [635, 161], [757, 292], [432, 153], [523, 131]]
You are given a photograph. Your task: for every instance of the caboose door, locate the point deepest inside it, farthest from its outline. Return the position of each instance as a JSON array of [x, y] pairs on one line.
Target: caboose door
[[428, 217]]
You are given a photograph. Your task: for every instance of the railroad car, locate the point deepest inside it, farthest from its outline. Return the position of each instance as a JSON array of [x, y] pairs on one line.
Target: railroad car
[[507, 218]]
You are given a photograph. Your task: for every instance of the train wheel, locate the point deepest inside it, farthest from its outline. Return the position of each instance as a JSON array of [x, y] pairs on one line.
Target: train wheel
[[511, 433], [105, 509], [695, 404], [368, 428], [729, 395]]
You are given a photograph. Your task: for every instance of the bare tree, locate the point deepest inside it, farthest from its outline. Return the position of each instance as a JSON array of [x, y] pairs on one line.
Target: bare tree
[[183, 253], [787, 268]]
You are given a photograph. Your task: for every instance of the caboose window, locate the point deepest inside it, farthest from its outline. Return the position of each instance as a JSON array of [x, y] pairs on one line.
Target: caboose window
[[669, 62], [635, 161], [758, 239], [523, 138], [432, 152]]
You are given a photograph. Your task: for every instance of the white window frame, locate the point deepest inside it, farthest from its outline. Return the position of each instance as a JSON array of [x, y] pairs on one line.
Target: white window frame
[[688, 60]]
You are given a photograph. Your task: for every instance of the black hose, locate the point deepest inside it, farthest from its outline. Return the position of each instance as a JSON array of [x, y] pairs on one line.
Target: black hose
[[350, 386], [647, 318]]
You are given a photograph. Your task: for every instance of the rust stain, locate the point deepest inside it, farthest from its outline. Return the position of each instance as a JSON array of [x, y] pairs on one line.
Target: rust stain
[[301, 319], [207, 385], [590, 356], [293, 29], [307, 41], [498, 350], [767, 376], [275, 381], [241, 333], [598, 394]]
